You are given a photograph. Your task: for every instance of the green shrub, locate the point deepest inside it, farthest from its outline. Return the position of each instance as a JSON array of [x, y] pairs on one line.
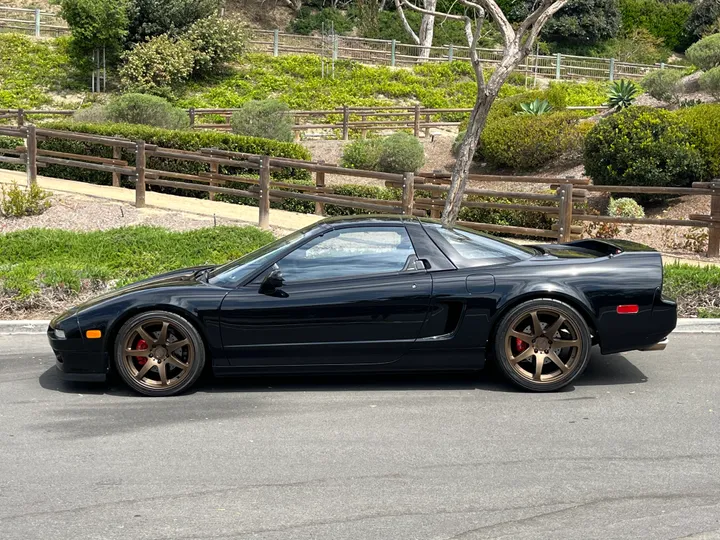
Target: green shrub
[[361, 154], [308, 21], [179, 139], [664, 84], [555, 95], [637, 45], [580, 94], [94, 114], [705, 54], [269, 119], [17, 202], [96, 24], [641, 146], [664, 20], [710, 82], [583, 22], [157, 66], [400, 153], [501, 216], [703, 121], [704, 20], [148, 110], [215, 42], [529, 142], [152, 18], [625, 207]]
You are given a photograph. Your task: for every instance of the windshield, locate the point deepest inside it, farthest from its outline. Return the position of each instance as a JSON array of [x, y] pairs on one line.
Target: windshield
[[232, 273]]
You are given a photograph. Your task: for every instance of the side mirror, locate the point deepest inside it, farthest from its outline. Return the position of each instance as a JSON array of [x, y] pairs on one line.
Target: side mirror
[[273, 281]]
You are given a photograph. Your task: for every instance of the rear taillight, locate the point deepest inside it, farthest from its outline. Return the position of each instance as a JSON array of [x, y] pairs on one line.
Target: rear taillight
[[628, 309]]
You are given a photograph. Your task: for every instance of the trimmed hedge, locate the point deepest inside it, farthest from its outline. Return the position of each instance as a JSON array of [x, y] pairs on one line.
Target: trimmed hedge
[[642, 146], [704, 122]]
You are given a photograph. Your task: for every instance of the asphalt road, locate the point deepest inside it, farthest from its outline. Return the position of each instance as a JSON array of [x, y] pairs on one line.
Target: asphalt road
[[631, 451]]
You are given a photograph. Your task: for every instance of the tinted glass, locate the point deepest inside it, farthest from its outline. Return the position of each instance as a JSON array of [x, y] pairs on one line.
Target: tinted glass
[[470, 248], [349, 253]]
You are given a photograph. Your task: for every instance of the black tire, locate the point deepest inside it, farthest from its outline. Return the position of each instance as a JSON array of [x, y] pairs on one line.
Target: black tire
[[175, 353], [534, 360]]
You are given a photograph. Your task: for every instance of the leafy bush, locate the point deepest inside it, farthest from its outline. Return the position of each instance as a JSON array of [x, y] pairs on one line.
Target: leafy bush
[[147, 110], [529, 142], [625, 207], [179, 139], [664, 84], [308, 21], [502, 216], [704, 20], [641, 146], [705, 54], [361, 154], [664, 20], [583, 21], [17, 202], [399, 153], [216, 41], [152, 18], [638, 45], [96, 24], [703, 121], [94, 114], [268, 119], [579, 94], [622, 94], [710, 82], [157, 66]]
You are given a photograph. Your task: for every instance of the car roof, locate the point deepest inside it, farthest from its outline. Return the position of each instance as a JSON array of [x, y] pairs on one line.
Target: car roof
[[368, 219]]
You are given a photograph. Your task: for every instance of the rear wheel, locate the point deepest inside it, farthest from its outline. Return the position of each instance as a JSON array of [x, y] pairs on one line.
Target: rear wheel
[[543, 345], [159, 353]]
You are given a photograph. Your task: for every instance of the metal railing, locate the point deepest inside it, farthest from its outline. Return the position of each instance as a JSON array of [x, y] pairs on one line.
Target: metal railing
[[396, 54], [33, 22]]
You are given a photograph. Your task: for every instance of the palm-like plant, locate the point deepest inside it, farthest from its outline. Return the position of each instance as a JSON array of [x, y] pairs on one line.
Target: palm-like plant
[[535, 108], [622, 94]]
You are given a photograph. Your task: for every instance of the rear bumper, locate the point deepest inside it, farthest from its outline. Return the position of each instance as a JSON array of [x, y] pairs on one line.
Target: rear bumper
[[659, 346]]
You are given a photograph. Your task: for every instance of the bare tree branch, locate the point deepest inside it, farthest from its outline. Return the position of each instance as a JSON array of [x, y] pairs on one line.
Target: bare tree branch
[[428, 12], [406, 24], [497, 15], [539, 23]]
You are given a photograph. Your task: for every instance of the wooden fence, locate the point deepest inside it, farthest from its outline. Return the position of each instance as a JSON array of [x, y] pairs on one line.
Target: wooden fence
[[34, 22], [565, 204]]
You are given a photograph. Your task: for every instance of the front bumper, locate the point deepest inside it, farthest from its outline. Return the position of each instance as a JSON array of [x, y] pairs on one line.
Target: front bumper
[[74, 362]]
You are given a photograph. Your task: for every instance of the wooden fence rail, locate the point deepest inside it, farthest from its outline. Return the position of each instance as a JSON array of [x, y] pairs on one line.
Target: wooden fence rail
[[224, 166]]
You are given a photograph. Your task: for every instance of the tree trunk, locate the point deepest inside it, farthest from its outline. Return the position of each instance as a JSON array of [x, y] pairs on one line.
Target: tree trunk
[[427, 30], [478, 118]]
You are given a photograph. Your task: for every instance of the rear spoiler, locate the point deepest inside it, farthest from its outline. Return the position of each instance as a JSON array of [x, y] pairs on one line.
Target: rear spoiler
[[610, 247]]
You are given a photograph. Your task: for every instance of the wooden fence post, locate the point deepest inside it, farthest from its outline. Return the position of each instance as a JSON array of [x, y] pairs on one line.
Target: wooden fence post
[[408, 193], [31, 155], [320, 183], [140, 174], [417, 120], [427, 128], [213, 169], [117, 154], [20, 117], [346, 121], [565, 207], [264, 214], [714, 229], [191, 114]]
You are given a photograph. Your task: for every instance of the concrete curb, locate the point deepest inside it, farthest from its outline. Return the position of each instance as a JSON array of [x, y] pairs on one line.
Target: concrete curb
[[684, 326]]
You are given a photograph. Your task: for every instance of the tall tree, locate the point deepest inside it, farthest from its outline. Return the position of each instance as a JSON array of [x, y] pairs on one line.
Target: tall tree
[[424, 37], [517, 44]]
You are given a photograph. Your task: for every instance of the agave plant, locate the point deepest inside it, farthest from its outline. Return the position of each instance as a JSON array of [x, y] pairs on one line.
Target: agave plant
[[535, 108], [622, 94]]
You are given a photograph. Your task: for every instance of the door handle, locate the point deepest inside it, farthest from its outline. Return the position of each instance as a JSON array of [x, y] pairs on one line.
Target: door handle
[[414, 285]]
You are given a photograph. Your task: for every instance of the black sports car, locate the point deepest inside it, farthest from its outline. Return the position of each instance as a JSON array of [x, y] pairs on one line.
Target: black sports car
[[375, 293]]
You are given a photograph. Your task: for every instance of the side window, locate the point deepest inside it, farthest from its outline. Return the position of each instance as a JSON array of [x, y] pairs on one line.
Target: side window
[[347, 253], [470, 248]]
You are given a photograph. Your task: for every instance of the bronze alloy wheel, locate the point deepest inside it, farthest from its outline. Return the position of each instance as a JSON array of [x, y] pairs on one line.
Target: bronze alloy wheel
[[545, 344], [159, 353]]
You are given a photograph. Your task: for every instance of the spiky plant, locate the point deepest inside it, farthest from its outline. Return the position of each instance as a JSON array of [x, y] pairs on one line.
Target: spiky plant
[[622, 94], [535, 108]]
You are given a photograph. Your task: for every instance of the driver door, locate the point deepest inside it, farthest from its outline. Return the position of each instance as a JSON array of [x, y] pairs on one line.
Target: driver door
[[352, 296]]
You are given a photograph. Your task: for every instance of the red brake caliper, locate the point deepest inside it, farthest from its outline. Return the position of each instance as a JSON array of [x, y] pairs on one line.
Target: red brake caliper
[[520, 345], [141, 346]]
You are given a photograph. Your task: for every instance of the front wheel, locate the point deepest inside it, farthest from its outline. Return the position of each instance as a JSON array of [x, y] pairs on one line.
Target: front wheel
[[159, 353], [542, 345]]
